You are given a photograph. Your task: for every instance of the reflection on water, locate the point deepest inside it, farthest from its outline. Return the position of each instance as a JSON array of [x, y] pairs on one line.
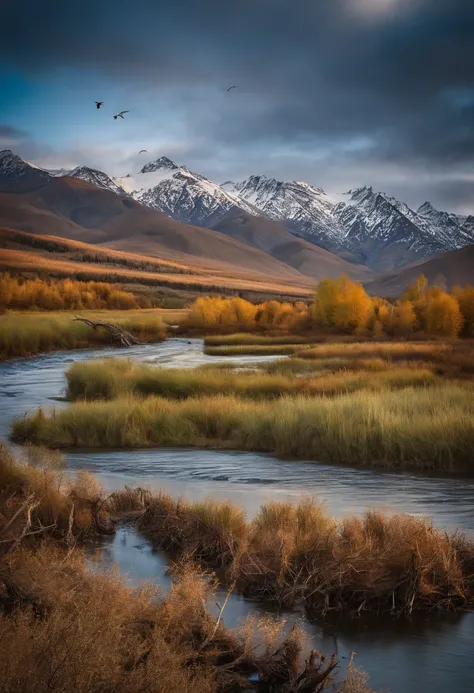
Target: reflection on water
[[432, 656]]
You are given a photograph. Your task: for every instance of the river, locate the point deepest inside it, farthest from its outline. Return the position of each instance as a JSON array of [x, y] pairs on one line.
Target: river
[[433, 655]]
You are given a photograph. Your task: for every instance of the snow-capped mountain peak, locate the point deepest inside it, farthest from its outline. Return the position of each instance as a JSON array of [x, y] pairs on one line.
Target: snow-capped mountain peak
[[162, 163], [14, 169], [96, 177], [180, 193]]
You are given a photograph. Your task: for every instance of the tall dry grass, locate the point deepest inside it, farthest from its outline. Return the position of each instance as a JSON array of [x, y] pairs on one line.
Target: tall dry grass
[[254, 349], [384, 350], [55, 504], [111, 378], [24, 334], [450, 358], [245, 339], [66, 629], [297, 554], [424, 429]]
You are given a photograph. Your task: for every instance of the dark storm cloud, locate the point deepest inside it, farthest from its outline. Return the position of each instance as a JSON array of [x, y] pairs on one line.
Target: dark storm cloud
[[11, 135], [11, 132], [313, 73]]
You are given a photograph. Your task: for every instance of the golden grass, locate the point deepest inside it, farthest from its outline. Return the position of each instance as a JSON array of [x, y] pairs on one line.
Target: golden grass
[[425, 428], [25, 334], [253, 350], [244, 339], [111, 378], [383, 350], [451, 359], [293, 554]]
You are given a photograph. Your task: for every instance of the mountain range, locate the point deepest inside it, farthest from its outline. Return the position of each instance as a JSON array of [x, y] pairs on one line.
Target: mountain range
[[293, 224], [362, 226]]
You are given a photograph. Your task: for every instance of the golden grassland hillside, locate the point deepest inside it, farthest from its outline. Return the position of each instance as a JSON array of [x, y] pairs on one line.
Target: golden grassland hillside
[[65, 628]]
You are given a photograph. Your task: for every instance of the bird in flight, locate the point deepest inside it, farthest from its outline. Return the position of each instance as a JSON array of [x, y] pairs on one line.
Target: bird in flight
[[120, 115], [143, 150], [99, 104], [233, 87]]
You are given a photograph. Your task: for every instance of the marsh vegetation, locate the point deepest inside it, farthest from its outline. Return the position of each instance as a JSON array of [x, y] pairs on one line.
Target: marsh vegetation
[[65, 628], [25, 334]]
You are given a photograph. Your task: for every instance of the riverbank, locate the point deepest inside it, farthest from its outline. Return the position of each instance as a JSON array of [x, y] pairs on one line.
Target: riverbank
[[24, 334], [296, 555]]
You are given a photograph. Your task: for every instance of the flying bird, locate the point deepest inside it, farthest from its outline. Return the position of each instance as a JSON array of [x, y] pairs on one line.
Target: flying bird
[[143, 150], [233, 87], [120, 115], [99, 104]]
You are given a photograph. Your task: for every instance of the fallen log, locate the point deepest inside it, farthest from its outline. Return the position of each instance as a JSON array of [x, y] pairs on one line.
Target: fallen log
[[123, 336]]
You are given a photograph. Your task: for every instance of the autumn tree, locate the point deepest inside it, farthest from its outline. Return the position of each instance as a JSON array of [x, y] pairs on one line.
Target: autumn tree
[[342, 303], [465, 299], [443, 315]]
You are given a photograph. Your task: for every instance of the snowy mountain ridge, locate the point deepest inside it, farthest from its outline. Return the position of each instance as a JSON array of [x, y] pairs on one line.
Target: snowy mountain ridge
[[362, 225]]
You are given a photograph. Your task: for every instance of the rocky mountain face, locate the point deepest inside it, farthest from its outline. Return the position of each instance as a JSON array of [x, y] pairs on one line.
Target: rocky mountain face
[[95, 177], [304, 209], [362, 226], [15, 171]]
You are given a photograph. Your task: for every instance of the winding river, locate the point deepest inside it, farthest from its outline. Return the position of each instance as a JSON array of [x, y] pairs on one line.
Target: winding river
[[434, 655]]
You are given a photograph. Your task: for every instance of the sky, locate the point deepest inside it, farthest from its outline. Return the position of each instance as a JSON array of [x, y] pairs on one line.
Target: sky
[[338, 93]]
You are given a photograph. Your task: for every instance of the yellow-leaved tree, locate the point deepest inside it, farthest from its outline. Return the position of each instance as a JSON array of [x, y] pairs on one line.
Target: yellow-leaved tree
[[342, 303], [443, 315]]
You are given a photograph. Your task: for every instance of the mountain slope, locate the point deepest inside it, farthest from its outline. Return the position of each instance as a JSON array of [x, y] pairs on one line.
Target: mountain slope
[[384, 235], [60, 257], [307, 258], [306, 210], [447, 270], [361, 226], [80, 211]]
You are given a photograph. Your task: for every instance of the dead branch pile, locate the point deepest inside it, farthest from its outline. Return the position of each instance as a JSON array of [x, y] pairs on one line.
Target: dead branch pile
[[118, 333]]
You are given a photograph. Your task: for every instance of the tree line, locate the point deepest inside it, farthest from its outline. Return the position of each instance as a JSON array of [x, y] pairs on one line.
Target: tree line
[[62, 294], [342, 305]]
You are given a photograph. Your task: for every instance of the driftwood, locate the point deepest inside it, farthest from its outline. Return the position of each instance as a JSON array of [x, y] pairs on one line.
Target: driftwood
[[125, 338]]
